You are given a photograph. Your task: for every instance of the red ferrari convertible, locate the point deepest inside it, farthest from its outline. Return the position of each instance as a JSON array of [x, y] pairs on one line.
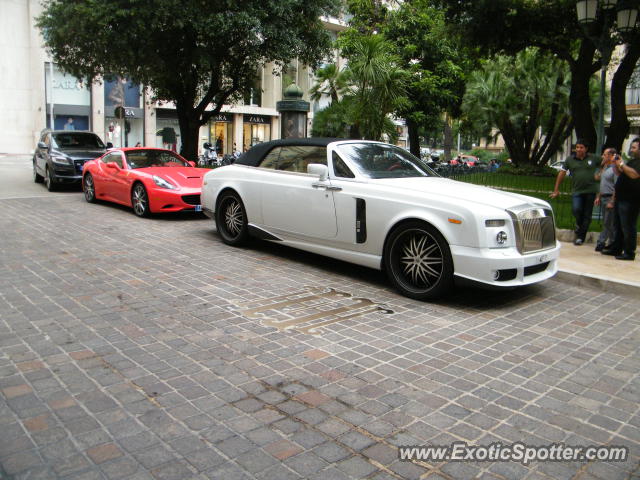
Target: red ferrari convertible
[[151, 180]]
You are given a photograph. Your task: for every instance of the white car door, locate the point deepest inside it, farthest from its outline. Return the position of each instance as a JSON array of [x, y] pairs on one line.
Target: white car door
[[292, 200]]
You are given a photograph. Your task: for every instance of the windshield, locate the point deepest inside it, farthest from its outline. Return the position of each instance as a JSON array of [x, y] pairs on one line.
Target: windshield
[[154, 158], [77, 140], [375, 160]]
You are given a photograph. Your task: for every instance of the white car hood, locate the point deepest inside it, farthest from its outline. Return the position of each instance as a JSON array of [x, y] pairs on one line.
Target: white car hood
[[456, 191]]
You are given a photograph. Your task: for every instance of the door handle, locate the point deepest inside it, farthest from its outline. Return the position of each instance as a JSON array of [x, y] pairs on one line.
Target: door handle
[[328, 188]]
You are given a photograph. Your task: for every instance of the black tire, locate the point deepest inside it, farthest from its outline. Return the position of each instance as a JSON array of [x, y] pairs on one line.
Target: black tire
[[418, 261], [49, 182], [89, 188], [231, 219], [37, 178], [140, 200]]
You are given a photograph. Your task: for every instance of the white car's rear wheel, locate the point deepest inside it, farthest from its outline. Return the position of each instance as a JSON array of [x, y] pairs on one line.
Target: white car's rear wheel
[[418, 261], [231, 219]]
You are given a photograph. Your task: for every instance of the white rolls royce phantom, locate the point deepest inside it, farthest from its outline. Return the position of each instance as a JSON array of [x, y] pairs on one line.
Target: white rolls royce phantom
[[376, 205]]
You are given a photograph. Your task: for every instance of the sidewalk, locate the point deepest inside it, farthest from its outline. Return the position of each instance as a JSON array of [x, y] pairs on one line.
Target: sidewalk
[[584, 266]]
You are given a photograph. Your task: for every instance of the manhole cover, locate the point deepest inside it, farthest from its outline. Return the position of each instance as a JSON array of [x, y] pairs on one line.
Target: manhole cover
[[310, 309]]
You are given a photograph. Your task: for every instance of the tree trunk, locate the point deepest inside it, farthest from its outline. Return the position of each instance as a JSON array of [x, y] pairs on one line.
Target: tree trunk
[[579, 98], [619, 127], [414, 139], [448, 138], [189, 131]]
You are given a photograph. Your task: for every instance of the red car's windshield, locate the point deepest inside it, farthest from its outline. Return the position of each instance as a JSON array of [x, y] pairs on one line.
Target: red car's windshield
[[154, 158]]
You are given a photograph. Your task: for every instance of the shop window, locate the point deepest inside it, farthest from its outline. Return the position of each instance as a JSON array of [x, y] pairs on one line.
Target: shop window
[[119, 91]]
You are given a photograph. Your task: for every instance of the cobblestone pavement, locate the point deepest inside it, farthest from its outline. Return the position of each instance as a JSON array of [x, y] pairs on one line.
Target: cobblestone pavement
[[128, 349]]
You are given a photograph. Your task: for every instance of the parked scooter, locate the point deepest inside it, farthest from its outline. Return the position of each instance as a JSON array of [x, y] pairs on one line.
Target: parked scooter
[[209, 157]]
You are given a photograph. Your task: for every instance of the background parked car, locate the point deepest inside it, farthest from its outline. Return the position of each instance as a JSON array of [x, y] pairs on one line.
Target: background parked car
[[150, 180], [60, 155], [557, 165]]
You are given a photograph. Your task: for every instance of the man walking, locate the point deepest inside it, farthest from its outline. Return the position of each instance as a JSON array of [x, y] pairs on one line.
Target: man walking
[[607, 176], [627, 205], [583, 167]]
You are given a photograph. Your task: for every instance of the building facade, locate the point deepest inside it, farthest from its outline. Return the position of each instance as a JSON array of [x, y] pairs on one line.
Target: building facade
[[36, 95]]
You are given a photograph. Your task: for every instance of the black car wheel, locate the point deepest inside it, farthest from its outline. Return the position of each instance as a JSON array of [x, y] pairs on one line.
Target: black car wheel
[[231, 219], [89, 188], [49, 182], [418, 261], [36, 176], [140, 200]]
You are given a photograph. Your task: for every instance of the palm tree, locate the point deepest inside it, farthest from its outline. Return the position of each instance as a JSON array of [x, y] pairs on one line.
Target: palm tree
[[377, 85], [329, 81], [526, 98]]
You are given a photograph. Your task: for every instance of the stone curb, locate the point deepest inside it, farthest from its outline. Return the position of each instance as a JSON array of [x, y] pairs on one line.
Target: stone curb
[[619, 287], [568, 236]]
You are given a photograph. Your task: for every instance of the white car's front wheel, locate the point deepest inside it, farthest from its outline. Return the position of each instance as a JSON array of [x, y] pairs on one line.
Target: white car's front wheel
[[231, 219], [418, 261]]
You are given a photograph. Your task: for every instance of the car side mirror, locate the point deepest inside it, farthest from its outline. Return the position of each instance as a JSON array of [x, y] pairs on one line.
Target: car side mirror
[[192, 163], [109, 145], [322, 171], [42, 145], [113, 165]]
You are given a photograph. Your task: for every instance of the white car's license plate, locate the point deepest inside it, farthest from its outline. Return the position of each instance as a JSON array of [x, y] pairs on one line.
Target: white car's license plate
[[198, 208]]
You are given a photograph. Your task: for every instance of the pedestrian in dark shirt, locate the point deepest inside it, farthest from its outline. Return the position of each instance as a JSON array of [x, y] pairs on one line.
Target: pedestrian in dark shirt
[[582, 166], [627, 205], [607, 176]]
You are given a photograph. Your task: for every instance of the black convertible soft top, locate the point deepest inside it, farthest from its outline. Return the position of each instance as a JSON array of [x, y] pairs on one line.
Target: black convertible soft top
[[253, 156]]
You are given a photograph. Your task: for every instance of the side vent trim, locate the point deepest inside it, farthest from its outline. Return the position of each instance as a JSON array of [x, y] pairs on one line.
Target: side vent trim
[[361, 220]]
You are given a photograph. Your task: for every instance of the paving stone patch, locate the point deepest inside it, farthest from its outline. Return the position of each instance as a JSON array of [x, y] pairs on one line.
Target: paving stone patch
[[124, 356]]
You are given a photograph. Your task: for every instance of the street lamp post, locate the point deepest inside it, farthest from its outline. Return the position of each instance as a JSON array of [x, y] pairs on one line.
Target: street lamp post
[[622, 14]]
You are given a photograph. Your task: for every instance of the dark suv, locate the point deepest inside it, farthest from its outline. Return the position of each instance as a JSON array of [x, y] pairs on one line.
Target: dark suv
[[60, 156]]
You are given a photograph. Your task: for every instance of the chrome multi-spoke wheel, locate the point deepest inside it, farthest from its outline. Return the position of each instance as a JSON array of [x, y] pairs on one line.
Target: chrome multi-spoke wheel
[[89, 188], [140, 200], [231, 219], [421, 259], [418, 261]]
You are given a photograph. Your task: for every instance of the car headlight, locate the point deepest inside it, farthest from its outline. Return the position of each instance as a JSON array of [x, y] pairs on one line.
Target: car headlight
[[61, 160], [496, 233], [161, 182]]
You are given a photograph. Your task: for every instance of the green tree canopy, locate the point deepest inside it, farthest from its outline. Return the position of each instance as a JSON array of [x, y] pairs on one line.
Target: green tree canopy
[[374, 87], [513, 25], [436, 62], [527, 99], [194, 53]]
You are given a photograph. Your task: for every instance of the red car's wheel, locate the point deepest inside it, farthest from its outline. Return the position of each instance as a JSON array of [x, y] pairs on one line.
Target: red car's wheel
[[140, 200], [89, 188]]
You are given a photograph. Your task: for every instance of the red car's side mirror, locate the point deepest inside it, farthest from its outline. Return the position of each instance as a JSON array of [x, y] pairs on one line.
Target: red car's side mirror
[[192, 163], [113, 165]]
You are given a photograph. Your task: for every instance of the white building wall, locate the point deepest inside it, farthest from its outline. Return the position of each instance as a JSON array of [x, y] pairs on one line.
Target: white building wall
[[23, 101], [21, 77]]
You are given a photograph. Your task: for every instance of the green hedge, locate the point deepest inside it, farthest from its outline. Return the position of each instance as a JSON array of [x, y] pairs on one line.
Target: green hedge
[[535, 186]]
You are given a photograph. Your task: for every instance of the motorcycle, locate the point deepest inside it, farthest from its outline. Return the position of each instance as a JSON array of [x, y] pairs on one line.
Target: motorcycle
[[209, 157]]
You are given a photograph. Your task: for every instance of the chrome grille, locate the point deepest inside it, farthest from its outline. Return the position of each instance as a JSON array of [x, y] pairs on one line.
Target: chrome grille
[[534, 227]]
